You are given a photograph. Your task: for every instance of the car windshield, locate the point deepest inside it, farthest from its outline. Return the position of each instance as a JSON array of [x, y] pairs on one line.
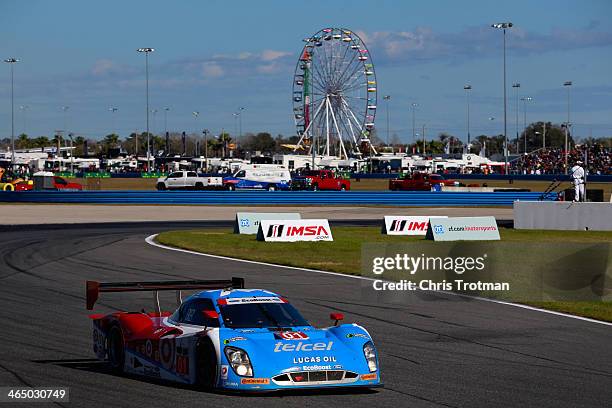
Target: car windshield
[[252, 315]]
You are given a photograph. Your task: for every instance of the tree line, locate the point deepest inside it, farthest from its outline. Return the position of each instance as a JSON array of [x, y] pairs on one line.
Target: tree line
[[263, 142]]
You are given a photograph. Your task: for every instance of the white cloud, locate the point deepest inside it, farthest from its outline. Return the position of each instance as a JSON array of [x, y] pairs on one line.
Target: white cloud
[[102, 67], [212, 70], [271, 55]]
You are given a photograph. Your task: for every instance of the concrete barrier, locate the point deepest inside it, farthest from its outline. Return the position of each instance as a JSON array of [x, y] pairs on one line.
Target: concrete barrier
[[563, 215]]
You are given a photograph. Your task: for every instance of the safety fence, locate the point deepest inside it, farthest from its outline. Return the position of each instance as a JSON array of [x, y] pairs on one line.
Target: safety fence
[[352, 198]]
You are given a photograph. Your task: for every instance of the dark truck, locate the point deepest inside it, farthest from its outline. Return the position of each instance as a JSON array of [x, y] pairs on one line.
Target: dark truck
[[419, 182], [319, 180]]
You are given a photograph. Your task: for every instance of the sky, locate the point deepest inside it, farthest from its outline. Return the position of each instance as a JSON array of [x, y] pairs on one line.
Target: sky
[[216, 56]]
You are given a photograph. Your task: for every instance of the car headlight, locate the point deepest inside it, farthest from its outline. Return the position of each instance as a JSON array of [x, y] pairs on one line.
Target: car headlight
[[369, 352], [239, 360]]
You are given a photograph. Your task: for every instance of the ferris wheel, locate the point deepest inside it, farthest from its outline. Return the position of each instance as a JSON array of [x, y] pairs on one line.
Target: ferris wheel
[[334, 94]]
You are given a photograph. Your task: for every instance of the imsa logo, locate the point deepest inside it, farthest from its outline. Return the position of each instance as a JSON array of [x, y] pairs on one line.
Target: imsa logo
[[294, 230]]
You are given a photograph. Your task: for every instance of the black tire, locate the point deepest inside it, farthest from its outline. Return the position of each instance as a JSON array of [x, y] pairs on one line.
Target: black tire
[[206, 369], [315, 187], [199, 186], [231, 187], [161, 186], [116, 351], [343, 187], [271, 187]]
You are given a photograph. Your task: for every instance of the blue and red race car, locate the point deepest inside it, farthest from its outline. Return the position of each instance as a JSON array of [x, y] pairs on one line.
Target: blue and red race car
[[228, 337]]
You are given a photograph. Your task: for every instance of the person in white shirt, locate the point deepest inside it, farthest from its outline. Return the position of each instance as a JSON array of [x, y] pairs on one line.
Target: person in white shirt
[[577, 174]]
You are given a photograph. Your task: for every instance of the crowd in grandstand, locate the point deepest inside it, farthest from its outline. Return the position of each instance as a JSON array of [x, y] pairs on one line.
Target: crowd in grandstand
[[552, 161]]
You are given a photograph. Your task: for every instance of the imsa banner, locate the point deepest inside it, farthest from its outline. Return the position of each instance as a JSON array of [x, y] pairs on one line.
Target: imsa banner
[[407, 225], [294, 230], [248, 222], [463, 229]]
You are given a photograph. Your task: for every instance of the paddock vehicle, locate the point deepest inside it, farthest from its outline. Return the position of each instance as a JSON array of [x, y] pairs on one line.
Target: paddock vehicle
[[188, 180], [259, 177], [45, 180], [8, 183], [232, 338], [420, 182], [320, 180]]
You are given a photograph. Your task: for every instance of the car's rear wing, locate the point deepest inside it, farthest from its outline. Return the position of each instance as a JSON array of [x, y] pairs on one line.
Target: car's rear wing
[[94, 288]]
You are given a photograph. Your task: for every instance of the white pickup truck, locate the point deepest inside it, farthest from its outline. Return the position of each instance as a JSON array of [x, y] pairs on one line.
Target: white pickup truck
[[188, 180]]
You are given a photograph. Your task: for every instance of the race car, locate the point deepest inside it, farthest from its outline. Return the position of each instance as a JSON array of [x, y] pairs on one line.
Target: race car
[[231, 338]]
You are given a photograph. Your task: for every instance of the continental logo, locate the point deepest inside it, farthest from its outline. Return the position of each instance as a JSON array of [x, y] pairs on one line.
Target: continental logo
[[259, 381], [276, 230]]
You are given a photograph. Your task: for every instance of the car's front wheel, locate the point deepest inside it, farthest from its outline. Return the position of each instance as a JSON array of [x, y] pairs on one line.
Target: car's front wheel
[[206, 365], [161, 186], [271, 187]]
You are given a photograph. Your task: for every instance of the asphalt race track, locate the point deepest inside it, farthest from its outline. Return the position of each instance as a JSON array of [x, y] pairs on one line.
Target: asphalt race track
[[435, 350]]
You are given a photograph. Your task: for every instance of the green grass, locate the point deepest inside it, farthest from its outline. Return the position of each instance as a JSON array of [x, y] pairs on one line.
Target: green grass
[[519, 254]]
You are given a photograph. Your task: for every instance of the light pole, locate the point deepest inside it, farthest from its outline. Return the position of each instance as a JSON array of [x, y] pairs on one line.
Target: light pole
[[166, 120], [71, 155], [236, 115], [23, 109], [414, 106], [240, 110], [12, 62], [112, 110], [525, 100], [146, 52], [154, 112], [517, 86], [205, 132], [468, 89], [567, 84], [195, 121], [387, 98], [65, 109], [504, 27]]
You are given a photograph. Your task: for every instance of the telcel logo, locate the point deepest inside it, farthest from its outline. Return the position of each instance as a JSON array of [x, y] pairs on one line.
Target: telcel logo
[[301, 346]]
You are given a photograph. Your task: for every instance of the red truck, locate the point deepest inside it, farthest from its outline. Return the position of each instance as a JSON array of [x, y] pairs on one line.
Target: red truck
[[419, 182], [319, 180]]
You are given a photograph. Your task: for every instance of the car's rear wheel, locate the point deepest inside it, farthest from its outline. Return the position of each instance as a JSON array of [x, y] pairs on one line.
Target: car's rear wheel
[[206, 365], [343, 187], [115, 347], [271, 187], [231, 187], [315, 187], [199, 186], [161, 186]]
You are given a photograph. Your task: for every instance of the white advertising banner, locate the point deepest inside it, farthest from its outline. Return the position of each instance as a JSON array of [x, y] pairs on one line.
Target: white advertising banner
[[248, 222], [294, 230], [407, 224], [463, 229]]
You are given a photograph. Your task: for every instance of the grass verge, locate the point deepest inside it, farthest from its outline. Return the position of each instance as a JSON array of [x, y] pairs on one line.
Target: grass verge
[[344, 254]]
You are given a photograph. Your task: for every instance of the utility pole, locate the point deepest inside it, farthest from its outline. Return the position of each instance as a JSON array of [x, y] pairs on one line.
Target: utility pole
[[424, 150]]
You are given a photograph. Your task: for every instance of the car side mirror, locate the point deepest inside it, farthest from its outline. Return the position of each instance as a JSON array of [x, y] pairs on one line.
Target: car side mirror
[[336, 317], [210, 314]]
